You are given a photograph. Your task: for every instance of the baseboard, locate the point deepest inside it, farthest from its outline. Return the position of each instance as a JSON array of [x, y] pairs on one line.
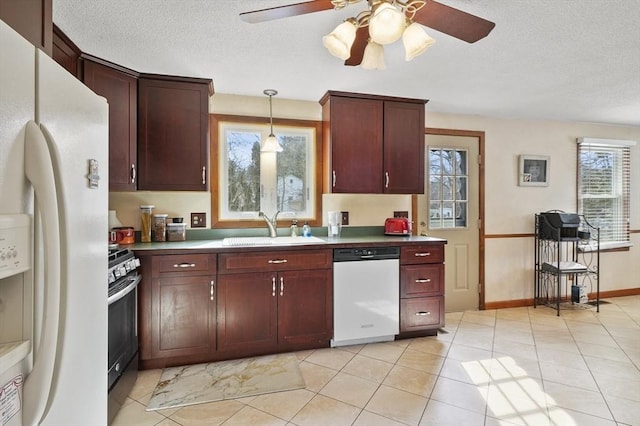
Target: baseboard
[[501, 304], [616, 293], [518, 303]]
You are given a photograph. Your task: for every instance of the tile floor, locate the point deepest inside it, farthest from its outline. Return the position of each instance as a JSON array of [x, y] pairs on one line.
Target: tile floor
[[520, 366]]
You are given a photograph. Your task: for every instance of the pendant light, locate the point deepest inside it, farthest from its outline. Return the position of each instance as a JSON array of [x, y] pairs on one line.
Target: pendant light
[[271, 144]]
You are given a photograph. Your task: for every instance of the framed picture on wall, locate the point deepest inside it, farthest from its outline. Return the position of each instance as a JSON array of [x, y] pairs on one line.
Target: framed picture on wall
[[533, 170]]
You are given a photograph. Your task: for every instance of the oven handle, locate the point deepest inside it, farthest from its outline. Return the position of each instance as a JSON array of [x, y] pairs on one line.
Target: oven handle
[[122, 293]]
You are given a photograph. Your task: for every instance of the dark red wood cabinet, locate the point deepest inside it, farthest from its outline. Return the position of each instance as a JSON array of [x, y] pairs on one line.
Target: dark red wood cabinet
[[192, 310], [274, 301], [247, 313], [66, 53], [120, 87], [33, 19], [173, 133], [177, 309], [421, 289], [373, 144]]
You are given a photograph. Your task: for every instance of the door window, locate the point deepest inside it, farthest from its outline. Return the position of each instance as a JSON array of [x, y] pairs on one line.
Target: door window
[[448, 188]]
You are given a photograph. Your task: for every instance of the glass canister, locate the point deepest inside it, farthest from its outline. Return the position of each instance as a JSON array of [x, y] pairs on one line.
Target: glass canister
[[159, 230], [146, 213], [176, 231]]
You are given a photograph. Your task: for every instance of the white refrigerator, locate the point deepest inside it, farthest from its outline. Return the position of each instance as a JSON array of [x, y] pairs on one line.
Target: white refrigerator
[[54, 181]]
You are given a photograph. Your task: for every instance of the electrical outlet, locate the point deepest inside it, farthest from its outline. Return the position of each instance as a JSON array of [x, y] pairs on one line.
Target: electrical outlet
[[198, 220], [345, 218], [402, 213]]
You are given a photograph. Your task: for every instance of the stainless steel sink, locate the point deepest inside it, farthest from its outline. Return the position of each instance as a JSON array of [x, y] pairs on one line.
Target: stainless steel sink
[[267, 241]]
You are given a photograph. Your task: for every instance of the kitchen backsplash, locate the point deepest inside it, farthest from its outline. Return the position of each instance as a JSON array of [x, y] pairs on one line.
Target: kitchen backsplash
[[364, 209]]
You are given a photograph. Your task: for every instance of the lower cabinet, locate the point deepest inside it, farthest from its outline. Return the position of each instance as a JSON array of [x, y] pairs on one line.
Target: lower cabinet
[[421, 289], [177, 309], [205, 307], [184, 316], [192, 310], [274, 301]]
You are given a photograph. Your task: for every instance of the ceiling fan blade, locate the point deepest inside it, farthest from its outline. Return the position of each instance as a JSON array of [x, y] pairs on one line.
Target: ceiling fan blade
[[358, 46], [287, 11], [454, 22]]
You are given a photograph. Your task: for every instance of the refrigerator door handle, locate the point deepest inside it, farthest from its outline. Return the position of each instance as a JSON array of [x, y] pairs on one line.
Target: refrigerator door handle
[[39, 171]]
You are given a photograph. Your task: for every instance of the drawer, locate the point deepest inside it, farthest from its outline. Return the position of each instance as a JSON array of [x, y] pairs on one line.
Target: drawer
[[421, 313], [432, 253], [421, 280], [184, 264], [275, 261]]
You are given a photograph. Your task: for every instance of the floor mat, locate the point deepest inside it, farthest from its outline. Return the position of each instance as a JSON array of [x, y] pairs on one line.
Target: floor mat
[[197, 384]]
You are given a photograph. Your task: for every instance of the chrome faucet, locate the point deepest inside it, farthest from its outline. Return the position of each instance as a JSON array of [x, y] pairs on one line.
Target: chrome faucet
[[271, 223]]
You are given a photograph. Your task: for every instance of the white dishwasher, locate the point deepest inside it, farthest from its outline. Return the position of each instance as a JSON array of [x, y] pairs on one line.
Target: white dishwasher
[[366, 295]]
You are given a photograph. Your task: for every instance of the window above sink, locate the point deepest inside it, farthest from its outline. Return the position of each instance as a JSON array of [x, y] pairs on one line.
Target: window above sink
[[250, 181]]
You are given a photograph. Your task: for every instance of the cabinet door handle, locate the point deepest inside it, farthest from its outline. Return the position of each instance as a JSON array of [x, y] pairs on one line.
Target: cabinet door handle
[[277, 261], [281, 286], [333, 175], [422, 254], [273, 286], [133, 173], [386, 179], [204, 175], [423, 313], [211, 290], [184, 265], [423, 280]]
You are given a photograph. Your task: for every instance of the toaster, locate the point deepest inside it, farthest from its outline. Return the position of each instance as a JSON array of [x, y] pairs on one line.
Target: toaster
[[397, 226]]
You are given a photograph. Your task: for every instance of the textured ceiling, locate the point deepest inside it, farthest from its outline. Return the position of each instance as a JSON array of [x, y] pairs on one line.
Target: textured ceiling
[[569, 60]]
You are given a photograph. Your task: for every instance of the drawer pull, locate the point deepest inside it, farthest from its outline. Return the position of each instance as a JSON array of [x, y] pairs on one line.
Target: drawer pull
[[273, 286], [423, 280], [211, 290], [422, 254], [277, 261], [423, 313], [184, 265]]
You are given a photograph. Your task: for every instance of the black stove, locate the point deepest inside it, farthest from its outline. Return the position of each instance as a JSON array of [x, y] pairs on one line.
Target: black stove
[[123, 278]]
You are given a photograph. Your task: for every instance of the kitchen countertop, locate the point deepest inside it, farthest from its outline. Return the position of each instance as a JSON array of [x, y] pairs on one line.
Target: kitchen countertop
[[216, 245]]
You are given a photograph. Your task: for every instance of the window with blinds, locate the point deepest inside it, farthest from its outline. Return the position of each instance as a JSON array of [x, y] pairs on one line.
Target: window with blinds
[[604, 169]]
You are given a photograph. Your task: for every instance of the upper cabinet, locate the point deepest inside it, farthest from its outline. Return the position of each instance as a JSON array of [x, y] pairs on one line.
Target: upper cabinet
[[120, 87], [373, 144], [32, 19], [173, 133], [65, 52]]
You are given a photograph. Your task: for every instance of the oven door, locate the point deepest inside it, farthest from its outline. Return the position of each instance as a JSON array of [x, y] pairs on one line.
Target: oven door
[[123, 326]]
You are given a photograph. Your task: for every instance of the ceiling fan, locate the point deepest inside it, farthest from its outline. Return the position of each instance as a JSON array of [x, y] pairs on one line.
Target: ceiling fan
[[430, 13]]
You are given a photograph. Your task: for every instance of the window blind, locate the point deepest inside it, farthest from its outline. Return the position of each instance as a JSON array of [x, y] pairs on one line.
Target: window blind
[[604, 175]]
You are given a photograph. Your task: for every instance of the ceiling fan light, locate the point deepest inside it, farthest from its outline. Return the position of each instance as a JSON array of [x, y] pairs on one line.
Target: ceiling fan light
[[373, 58], [340, 40], [415, 41], [271, 144], [386, 24]]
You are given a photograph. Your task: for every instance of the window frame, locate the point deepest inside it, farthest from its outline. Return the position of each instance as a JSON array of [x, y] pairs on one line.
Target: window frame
[[622, 182], [217, 160]]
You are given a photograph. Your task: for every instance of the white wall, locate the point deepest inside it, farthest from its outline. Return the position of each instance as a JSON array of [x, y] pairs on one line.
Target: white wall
[[509, 208]]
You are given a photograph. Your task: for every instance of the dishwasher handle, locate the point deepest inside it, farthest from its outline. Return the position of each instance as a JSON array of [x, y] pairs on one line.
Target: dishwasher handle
[[366, 253]]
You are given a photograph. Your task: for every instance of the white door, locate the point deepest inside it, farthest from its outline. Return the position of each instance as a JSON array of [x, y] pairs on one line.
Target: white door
[[449, 209]]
